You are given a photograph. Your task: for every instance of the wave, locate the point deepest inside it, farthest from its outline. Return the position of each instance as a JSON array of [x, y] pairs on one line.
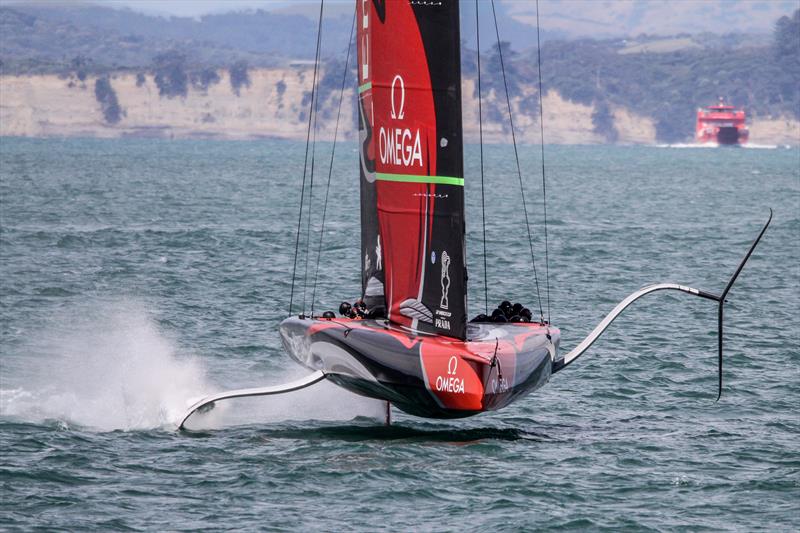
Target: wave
[[751, 146], [688, 145]]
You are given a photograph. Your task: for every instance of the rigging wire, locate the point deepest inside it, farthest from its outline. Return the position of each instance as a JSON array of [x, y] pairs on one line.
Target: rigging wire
[[483, 199], [315, 108], [544, 182], [330, 168], [516, 157], [305, 160]]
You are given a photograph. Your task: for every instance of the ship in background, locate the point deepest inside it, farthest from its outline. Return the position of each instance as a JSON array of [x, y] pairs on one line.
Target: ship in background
[[721, 124]]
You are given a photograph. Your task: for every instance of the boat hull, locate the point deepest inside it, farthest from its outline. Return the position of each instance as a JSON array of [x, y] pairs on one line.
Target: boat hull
[[721, 124], [426, 375]]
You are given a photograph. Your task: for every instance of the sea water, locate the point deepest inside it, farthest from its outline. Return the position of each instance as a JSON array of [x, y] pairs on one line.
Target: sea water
[[139, 275]]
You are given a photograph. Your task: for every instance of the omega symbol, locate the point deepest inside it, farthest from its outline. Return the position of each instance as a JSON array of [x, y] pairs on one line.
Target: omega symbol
[[452, 366], [401, 114]]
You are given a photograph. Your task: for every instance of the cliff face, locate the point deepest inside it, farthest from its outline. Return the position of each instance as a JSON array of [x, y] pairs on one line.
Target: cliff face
[[272, 105], [275, 104]]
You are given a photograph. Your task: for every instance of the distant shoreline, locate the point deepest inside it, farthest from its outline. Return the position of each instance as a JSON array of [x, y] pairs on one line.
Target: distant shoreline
[[272, 104]]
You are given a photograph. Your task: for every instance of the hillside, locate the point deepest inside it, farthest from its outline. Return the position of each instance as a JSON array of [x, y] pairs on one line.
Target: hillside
[[668, 86], [274, 102], [62, 65]]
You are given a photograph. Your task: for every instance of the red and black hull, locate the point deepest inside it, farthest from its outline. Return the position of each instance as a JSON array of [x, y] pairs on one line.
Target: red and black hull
[[722, 124], [426, 375]]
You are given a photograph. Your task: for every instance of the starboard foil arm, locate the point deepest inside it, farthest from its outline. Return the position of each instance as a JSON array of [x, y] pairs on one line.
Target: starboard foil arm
[[207, 403], [590, 339], [586, 343]]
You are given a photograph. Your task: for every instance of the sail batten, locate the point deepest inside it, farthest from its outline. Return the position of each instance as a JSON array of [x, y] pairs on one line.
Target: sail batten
[[412, 178]]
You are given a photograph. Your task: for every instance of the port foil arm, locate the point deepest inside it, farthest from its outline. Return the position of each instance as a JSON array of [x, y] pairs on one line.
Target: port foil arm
[[207, 403], [586, 343]]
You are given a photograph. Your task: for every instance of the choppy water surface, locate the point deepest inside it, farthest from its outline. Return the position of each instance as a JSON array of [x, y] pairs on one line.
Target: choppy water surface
[[137, 275]]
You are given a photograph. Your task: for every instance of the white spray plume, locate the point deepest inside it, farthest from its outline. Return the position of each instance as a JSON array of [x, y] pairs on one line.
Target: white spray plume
[[104, 366], [108, 366]]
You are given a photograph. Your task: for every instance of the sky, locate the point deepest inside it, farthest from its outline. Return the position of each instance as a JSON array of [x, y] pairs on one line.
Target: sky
[[196, 8], [590, 18], [601, 18]]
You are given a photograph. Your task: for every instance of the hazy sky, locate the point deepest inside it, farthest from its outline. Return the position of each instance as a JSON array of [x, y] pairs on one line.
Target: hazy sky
[[594, 18], [594, 14], [194, 8]]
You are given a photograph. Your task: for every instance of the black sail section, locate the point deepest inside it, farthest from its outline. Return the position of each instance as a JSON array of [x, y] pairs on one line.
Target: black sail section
[[372, 276], [439, 27]]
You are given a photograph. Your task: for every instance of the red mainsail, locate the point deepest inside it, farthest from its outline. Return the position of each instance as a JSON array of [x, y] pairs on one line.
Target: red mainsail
[[412, 185]]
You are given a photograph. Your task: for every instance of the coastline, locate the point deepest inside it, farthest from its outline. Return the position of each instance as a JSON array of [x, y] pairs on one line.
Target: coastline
[[274, 105]]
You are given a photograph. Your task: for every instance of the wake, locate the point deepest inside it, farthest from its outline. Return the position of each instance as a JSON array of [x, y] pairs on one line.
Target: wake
[[697, 146]]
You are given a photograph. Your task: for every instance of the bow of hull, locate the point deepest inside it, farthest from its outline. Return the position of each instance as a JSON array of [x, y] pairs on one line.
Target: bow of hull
[[426, 375]]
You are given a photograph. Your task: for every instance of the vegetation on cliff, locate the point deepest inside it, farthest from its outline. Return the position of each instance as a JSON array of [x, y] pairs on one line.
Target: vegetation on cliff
[[670, 86], [107, 97], [239, 77], [665, 79]]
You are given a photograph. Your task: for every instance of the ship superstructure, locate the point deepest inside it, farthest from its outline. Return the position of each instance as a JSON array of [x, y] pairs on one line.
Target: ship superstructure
[[721, 124]]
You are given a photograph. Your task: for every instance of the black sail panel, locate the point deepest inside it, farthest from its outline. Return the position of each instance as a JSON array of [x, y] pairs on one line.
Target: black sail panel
[[372, 276], [440, 29]]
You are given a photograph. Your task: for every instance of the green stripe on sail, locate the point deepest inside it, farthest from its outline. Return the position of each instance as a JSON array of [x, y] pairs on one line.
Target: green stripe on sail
[[367, 86], [410, 178]]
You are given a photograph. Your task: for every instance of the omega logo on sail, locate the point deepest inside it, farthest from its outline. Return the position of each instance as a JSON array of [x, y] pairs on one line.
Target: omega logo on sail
[[402, 97], [399, 146]]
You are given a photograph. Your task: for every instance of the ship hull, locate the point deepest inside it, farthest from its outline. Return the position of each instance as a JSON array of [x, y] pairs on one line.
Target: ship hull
[[426, 375], [724, 136], [729, 136], [722, 125]]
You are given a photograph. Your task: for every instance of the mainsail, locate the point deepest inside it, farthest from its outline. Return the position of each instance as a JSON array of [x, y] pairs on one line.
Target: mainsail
[[412, 177]]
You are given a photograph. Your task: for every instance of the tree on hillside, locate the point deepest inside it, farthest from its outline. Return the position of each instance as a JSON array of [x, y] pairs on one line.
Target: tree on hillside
[[170, 74], [107, 98], [603, 121], [787, 38], [787, 56], [80, 65], [204, 78], [502, 56], [239, 76]]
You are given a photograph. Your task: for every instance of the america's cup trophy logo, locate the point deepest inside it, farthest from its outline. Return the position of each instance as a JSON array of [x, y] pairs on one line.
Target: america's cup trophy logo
[[445, 280]]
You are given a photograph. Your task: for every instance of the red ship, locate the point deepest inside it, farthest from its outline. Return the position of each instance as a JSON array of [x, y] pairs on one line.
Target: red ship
[[721, 124]]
